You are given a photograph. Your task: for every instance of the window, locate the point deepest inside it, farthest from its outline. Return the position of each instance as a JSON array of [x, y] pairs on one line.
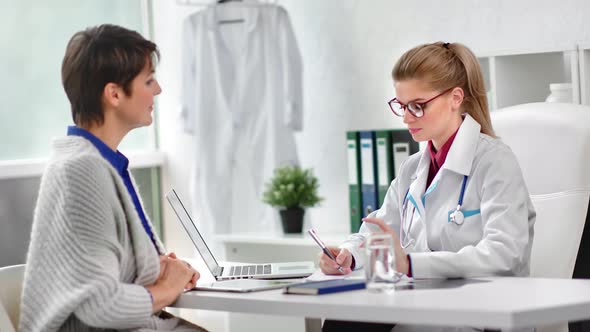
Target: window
[[34, 106]]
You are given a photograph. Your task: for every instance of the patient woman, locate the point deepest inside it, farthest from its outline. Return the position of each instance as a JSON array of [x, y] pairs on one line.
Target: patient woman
[[94, 261], [460, 208]]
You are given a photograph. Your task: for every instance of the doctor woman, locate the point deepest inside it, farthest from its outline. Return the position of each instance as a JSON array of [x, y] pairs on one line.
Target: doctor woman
[[460, 208]]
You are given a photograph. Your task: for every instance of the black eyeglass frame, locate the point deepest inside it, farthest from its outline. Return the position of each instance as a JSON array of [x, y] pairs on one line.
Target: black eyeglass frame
[[416, 109]]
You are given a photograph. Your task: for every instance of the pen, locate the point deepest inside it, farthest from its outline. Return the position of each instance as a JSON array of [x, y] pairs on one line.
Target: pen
[[325, 249]]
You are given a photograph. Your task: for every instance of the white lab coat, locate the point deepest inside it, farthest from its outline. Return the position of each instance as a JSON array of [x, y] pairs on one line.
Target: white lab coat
[[496, 237], [242, 101]]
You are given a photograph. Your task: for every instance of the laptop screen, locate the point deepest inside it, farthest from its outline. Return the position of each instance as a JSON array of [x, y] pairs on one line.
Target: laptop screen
[[192, 231]]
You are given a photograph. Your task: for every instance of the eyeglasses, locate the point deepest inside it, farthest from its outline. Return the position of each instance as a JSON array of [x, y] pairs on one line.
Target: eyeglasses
[[416, 109]]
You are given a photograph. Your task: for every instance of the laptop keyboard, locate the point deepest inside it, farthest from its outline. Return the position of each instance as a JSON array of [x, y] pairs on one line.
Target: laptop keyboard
[[245, 270]]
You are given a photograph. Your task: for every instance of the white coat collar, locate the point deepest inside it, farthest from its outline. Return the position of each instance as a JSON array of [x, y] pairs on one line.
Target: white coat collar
[[462, 152], [459, 160]]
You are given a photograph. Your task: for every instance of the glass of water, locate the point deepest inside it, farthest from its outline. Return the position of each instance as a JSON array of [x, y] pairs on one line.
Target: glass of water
[[380, 264]]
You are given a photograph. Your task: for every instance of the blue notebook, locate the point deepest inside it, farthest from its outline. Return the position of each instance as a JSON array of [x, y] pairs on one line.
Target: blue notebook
[[325, 286]]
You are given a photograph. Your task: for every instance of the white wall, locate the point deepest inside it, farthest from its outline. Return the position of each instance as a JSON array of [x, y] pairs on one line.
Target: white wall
[[349, 48]]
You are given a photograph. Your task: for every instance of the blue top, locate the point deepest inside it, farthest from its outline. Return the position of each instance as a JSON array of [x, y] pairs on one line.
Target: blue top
[[120, 163]]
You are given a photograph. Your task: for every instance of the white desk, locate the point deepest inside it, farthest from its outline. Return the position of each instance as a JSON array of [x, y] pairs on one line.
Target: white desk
[[493, 303]]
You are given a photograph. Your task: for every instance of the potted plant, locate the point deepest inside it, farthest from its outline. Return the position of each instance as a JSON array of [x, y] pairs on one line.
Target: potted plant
[[292, 189]]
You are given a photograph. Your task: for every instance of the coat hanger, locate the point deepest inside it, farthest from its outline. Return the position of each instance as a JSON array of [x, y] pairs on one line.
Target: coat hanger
[[221, 2], [209, 3], [232, 21]]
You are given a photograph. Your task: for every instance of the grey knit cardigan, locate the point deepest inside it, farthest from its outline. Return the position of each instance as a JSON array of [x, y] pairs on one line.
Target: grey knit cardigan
[[89, 257]]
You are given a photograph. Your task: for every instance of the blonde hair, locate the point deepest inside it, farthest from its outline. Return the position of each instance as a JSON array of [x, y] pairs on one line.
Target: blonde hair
[[446, 65]]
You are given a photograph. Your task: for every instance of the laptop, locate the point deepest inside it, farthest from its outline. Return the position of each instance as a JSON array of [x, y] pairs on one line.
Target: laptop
[[246, 285], [238, 271]]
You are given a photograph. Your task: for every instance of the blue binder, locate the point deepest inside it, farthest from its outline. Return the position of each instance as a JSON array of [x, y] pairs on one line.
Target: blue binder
[[369, 183]]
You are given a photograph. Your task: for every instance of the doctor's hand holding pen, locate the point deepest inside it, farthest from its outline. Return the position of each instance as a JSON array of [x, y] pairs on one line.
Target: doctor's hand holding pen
[[342, 264], [344, 258], [332, 260]]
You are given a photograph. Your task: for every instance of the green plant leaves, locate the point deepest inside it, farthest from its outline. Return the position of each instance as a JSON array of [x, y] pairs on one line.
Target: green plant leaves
[[292, 186]]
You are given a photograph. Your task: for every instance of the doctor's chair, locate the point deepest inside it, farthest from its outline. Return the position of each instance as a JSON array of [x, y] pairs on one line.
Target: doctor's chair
[[552, 144]]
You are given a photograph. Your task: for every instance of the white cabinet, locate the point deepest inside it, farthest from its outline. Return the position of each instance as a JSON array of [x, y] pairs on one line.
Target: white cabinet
[[269, 248], [523, 76]]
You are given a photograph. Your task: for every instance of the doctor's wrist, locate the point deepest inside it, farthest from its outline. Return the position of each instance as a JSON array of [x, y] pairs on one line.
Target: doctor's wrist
[[402, 263], [409, 274]]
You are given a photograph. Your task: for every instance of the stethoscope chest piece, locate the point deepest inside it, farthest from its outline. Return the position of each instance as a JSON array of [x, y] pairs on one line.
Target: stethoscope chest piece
[[457, 216]]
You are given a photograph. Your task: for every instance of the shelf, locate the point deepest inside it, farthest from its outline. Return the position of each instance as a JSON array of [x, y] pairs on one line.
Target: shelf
[[584, 65], [554, 48], [485, 68], [529, 77], [520, 77]]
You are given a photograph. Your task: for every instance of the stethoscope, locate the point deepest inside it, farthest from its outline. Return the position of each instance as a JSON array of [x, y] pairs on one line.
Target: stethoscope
[[456, 216]]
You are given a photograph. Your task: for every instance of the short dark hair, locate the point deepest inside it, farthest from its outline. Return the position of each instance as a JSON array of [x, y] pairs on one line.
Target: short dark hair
[[98, 56]]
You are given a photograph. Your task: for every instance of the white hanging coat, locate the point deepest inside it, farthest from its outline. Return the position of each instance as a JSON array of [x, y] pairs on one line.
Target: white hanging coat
[[242, 101]]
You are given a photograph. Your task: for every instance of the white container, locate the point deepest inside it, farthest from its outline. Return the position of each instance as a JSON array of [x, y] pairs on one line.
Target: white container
[[560, 93]]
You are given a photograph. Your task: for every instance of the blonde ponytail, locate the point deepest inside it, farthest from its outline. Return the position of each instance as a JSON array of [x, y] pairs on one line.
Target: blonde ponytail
[[448, 65]]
